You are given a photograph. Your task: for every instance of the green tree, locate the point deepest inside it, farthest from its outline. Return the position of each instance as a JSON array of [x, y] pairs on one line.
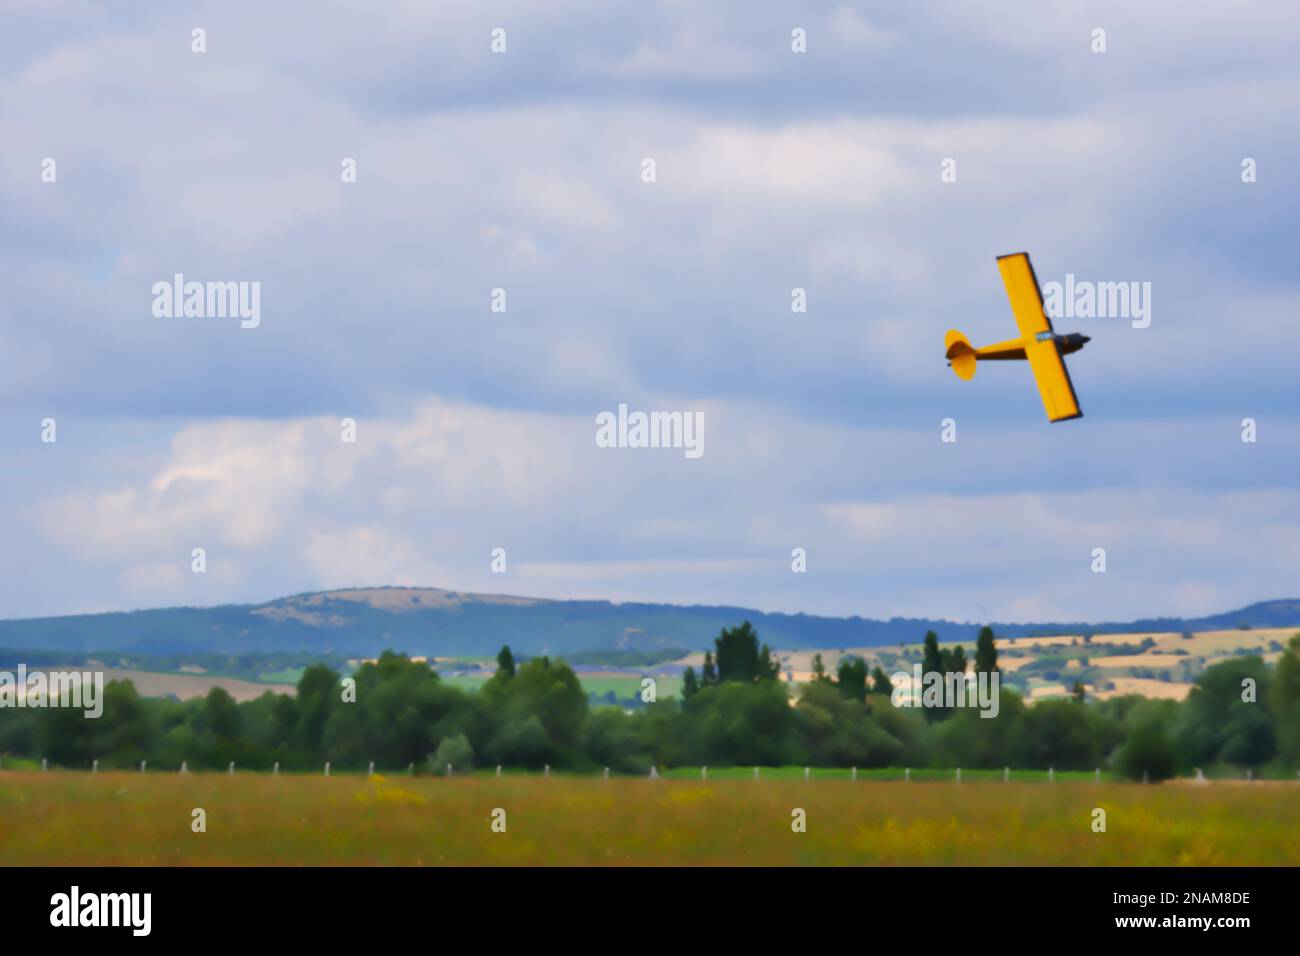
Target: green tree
[[506, 661], [402, 709], [690, 685], [522, 743], [222, 724], [1148, 751], [453, 750], [710, 673], [739, 657], [969, 739], [122, 735], [986, 652], [818, 668], [617, 740], [931, 657], [851, 677], [933, 661], [1224, 721], [737, 723], [1061, 734], [548, 692], [221, 713], [1285, 698], [839, 731], [319, 692], [880, 683]]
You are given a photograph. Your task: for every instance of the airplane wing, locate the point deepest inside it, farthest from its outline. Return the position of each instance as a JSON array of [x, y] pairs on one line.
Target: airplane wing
[[1040, 345]]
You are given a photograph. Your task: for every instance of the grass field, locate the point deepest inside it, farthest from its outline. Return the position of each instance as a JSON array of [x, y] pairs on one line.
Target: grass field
[[623, 685], [82, 819]]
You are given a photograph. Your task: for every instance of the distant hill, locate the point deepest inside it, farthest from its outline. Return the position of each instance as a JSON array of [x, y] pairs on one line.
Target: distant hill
[[434, 622]]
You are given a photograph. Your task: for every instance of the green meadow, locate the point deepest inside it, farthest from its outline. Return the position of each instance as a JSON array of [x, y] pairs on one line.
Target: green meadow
[[105, 819]]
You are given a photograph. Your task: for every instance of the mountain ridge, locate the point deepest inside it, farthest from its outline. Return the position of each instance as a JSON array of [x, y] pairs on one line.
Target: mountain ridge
[[445, 622]]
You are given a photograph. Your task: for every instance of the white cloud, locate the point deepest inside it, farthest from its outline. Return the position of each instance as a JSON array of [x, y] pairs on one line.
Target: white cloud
[[423, 499], [368, 555]]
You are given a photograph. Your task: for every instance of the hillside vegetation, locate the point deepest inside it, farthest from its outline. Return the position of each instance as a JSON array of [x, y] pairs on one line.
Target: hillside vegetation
[[1241, 714]]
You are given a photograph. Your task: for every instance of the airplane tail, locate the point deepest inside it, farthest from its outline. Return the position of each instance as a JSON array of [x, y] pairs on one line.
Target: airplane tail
[[961, 356]]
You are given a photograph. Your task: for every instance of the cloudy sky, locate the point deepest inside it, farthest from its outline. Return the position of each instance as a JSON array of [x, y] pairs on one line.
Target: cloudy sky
[[522, 171]]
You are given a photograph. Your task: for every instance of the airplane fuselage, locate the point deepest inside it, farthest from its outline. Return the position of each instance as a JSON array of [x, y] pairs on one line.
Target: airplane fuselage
[[1015, 348]]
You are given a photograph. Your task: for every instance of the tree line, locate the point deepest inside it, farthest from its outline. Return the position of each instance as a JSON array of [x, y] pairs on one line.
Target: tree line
[[1241, 713]]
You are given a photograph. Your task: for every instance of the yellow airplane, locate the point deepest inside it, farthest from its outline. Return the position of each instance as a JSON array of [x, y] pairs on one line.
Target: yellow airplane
[[1037, 343]]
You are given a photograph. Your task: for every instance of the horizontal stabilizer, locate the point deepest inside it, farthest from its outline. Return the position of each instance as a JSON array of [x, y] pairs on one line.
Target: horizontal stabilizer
[[961, 356]]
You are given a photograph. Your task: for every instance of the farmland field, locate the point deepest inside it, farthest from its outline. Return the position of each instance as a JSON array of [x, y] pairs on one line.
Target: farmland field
[[622, 685], [82, 819], [184, 686]]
